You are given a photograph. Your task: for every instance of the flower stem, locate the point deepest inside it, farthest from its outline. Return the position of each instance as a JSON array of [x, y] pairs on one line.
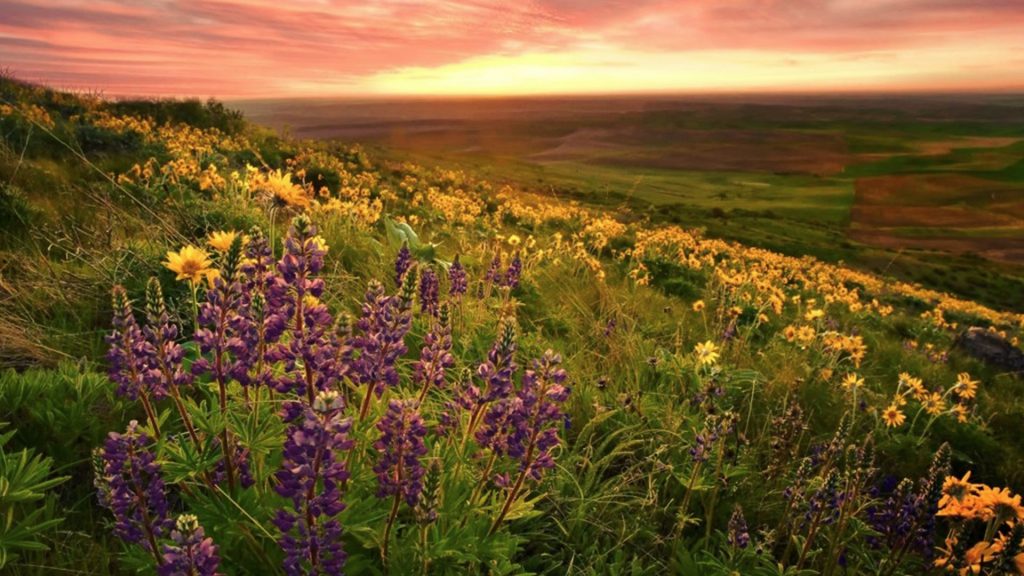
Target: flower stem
[[387, 529], [150, 414]]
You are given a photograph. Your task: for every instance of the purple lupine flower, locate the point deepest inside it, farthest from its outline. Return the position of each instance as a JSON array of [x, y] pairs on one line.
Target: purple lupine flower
[[514, 272], [496, 372], [429, 288], [258, 265], [730, 331], [131, 487], [168, 355], [260, 322], [538, 414], [825, 502], [402, 263], [904, 518], [239, 462], [534, 416], [493, 275], [457, 279], [399, 470], [192, 553], [738, 535], [498, 426], [435, 357], [794, 491], [893, 518], [162, 335], [609, 327], [715, 427], [344, 349], [218, 340], [130, 354], [380, 342], [701, 445], [308, 355], [311, 478], [217, 315], [521, 426]]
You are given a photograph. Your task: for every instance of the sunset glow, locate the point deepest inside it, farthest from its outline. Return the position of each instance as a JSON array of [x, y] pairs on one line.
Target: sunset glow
[[233, 49]]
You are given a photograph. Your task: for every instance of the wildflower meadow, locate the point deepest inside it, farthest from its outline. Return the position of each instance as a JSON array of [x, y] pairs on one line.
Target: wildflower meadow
[[234, 352]]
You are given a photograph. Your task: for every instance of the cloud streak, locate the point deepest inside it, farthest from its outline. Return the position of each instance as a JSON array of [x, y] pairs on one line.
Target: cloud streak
[[235, 48]]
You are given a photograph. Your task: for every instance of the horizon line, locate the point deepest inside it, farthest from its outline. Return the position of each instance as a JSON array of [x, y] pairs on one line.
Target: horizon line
[[1011, 90], [397, 96]]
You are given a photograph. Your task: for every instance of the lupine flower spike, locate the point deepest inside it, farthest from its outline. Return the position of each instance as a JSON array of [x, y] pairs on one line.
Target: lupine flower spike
[[130, 357], [309, 354], [495, 373], [457, 283], [514, 272], [435, 357], [217, 338], [311, 477], [429, 288], [192, 553], [535, 418], [261, 320], [399, 471], [382, 328], [168, 354], [131, 487], [402, 263]]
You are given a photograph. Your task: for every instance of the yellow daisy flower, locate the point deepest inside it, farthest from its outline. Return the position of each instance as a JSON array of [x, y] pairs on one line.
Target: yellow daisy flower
[[893, 416], [965, 387], [189, 263], [222, 240], [852, 381], [707, 353]]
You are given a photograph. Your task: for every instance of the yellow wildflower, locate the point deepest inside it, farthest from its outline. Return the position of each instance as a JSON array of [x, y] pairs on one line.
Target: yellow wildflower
[[221, 241], [852, 381], [189, 263], [893, 416], [707, 353], [965, 387], [934, 404]]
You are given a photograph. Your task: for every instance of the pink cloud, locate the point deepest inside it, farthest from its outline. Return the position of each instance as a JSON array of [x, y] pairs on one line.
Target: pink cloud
[[236, 48]]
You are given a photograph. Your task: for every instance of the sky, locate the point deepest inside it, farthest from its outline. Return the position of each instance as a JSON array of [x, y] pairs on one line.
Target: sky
[[234, 49]]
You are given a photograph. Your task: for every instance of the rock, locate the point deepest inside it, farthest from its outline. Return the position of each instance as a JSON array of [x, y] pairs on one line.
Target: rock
[[991, 349]]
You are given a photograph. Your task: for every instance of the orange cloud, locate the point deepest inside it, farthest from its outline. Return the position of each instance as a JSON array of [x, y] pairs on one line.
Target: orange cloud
[[235, 48]]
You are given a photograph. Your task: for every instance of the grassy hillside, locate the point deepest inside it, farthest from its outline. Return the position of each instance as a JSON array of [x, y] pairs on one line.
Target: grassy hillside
[[489, 379]]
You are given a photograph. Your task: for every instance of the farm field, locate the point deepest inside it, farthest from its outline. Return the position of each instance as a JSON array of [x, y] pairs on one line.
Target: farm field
[[532, 337], [916, 186]]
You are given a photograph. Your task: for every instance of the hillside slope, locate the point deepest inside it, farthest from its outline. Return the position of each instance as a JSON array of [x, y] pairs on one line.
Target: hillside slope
[[490, 381]]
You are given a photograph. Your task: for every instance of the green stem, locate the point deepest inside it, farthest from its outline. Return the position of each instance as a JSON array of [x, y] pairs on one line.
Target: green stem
[[150, 414], [483, 480]]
